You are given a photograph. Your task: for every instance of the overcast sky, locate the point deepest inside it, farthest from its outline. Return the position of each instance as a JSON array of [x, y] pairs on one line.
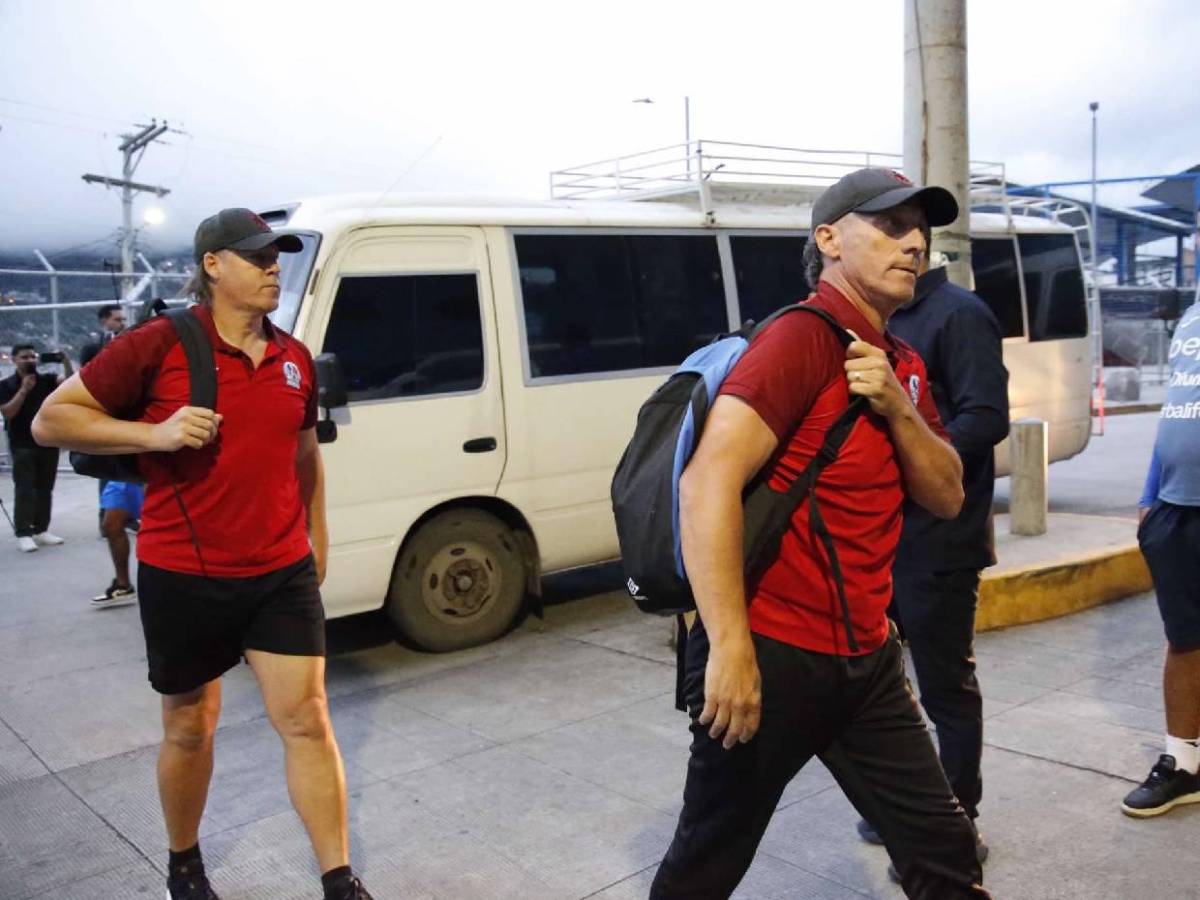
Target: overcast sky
[[285, 100]]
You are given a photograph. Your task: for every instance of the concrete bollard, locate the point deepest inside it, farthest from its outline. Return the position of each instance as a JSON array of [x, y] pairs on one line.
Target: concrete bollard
[[1030, 447]]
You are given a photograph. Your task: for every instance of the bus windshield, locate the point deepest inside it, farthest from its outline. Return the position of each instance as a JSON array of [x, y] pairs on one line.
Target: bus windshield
[[295, 269]]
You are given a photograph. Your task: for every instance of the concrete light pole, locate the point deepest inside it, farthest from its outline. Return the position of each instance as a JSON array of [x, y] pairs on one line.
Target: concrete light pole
[[935, 116], [1095, 235]]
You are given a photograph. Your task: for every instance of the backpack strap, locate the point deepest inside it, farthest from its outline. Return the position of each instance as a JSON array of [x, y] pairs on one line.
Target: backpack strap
[[202, 372], [805, 485], [202, 392], [681, 641]]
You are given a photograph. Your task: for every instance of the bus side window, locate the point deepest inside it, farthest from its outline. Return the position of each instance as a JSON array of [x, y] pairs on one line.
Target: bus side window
[[615, 302], [1053, 287], [407, 335], [994, 263], [770, 273]]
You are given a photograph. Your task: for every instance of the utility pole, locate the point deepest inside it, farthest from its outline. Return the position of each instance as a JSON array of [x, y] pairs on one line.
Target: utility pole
[[132, 147], [935, 117]]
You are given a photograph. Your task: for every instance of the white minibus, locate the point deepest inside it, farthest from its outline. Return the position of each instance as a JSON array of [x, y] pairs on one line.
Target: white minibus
[[494, 357]]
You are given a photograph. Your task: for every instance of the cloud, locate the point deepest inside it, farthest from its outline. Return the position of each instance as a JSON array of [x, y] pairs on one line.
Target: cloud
[[284, 100]]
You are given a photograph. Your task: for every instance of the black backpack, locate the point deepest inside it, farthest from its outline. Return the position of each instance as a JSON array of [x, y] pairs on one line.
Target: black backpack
[[202, 378], [645, 487]]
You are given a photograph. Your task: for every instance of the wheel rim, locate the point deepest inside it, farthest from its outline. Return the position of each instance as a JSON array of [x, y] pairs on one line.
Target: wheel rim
[[460, 582]]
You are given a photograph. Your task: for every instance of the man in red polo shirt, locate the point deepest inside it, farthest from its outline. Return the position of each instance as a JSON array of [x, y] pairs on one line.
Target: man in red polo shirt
[[233, 543], [772, 677]]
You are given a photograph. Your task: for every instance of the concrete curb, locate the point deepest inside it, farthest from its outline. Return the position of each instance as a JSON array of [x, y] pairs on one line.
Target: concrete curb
[[1048, 590], [1128, 409]]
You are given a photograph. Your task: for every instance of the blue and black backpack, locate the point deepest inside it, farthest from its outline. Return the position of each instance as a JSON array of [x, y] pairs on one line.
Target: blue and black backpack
[[645, 487]]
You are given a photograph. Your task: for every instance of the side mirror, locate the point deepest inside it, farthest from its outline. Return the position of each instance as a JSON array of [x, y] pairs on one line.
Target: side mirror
[[331, 384]]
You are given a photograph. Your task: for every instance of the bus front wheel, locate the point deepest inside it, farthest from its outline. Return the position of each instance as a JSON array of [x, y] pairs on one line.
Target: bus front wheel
[[459, 581]]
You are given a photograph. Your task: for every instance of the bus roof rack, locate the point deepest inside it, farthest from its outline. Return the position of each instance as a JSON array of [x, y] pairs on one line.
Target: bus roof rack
[[729, 173]]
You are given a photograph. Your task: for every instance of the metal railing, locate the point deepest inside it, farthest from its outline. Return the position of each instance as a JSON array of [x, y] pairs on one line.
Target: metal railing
[[150, 283], [682, 168], [690, 167]]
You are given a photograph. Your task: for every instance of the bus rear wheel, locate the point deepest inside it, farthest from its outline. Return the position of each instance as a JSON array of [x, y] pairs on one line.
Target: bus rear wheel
[[459, 581]]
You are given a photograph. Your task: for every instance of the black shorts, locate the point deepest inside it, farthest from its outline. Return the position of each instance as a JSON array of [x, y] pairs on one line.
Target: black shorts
[[1170, 540], [198, 628]]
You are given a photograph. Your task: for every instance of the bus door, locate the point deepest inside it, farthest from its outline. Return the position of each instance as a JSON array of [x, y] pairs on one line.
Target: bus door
[[409, 313]]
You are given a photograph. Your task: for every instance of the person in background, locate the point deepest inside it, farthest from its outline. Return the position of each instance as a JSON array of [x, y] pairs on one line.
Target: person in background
[[34, 468], [112, 322], [935, 580], [120, 504], [1169, 535]]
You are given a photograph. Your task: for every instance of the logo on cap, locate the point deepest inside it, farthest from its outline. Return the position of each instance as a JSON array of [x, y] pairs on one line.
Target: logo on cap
[[900, 178], [259, 221]]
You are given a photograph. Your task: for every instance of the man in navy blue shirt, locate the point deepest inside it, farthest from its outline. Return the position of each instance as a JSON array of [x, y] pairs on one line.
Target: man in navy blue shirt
[[1169, 535], [936, 574]]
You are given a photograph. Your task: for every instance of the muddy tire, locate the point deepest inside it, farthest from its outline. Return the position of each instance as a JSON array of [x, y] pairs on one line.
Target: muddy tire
[[459, 582]]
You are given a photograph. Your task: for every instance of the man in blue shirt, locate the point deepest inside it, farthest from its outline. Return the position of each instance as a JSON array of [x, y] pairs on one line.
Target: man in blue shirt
[[1170, 538]]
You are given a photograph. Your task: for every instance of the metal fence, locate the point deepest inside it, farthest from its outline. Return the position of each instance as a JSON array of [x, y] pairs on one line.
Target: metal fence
[[39, 313], [36, 313]]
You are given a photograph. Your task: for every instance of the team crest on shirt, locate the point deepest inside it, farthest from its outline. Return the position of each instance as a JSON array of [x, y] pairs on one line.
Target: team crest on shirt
[[291, 374], [914, 388]]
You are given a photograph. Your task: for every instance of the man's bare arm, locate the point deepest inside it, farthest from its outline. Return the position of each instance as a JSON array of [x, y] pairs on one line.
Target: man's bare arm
[[12, 408], [310, 470], [735, 445], [73, 419]]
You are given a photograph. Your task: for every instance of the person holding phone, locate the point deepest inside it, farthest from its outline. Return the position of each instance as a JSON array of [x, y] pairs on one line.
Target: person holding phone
[[34, 468]]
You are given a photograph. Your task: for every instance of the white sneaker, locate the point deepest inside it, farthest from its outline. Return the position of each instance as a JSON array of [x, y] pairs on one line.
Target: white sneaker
[[46, 539], [27, 544]]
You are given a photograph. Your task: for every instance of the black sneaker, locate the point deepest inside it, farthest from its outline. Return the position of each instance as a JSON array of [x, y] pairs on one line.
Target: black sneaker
[[190, 883], [1165, 788], [114, 595], [348, 888], [868, 834]]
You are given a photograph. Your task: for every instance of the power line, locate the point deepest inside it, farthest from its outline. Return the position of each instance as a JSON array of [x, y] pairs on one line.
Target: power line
[[8, 115], [59, 109]]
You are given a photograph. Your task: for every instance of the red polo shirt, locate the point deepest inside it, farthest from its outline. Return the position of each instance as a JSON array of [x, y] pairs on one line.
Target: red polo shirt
[[793, 376], [240, 492]]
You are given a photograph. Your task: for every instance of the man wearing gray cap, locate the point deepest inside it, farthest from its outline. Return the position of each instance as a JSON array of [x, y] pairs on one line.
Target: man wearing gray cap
[[233, 543], [802, 661]]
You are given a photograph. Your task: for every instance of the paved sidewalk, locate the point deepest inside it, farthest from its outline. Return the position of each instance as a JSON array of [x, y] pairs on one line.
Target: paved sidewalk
[[546, 765]]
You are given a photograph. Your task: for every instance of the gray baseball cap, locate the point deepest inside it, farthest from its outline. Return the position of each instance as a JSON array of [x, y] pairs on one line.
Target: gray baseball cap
[[876, 189], [240, 229]]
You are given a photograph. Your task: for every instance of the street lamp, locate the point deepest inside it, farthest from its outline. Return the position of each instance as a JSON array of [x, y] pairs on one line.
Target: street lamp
[[687, 127], [1094, 106], [154, 215]]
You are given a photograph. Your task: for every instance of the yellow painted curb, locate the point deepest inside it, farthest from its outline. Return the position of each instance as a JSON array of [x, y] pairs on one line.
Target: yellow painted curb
[[1035, 593]]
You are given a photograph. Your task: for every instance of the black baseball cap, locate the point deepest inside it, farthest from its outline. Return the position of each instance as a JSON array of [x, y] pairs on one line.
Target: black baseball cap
[[876, 189], [240, 229]]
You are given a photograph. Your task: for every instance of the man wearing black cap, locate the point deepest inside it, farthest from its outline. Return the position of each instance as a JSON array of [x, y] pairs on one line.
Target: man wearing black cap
[[779, 669], [233, 543]]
